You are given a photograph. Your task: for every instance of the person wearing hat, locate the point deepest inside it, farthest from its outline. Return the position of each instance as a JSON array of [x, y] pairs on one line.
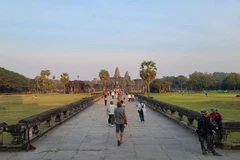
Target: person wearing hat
[[205, 133], [216, 119]]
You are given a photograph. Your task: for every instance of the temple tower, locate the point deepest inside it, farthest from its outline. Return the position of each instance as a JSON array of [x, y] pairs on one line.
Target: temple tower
[[126, 76], [117, 73]]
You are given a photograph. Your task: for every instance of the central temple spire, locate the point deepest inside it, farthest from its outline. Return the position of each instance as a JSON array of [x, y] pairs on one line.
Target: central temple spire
[[117, 73]]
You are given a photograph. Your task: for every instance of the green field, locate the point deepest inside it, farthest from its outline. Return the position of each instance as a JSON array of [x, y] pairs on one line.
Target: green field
[[16, 107], [227, 103]]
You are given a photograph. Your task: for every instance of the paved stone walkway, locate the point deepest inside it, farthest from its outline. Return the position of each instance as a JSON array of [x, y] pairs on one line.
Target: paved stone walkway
[[87, 136]]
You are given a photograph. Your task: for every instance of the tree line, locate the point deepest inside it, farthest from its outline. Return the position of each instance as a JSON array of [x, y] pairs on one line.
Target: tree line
[[11, 82], [205, 81]]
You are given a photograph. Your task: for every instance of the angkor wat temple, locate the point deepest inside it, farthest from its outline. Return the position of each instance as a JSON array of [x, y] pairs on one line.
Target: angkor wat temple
[[117, 77]]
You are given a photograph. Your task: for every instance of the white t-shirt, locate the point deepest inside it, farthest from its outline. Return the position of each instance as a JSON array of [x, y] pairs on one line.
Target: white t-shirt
[[141, 106], [111, 108]]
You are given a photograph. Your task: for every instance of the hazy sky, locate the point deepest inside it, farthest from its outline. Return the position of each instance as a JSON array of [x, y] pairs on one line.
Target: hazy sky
[[81, 37]]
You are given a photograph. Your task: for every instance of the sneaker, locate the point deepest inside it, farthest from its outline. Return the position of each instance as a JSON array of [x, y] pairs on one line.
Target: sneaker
[[218, 154], [112, 125], [118, 142]]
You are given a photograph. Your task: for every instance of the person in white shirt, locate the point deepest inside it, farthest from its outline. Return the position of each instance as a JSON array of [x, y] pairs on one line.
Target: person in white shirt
[[110, 113], [141, 110], [129, 97]]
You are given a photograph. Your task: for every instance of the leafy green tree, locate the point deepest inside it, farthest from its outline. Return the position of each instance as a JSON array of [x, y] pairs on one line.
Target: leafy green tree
[[123, 83], [148, 72], [12, 82], [181, 80], [64, 79], [160, 84], [190, 83], [131, 84], [219, 77], [104, 77], [111, 83], [48, 85], [234, 80], [207, 81]]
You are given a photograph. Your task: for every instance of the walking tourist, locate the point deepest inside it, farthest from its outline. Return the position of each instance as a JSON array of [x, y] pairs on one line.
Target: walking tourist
[[129, 97], [120, 119], [105, 99], [141, 111], [110, 113]]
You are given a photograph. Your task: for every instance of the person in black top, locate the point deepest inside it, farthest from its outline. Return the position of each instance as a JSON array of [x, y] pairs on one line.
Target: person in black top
[[205, 133]]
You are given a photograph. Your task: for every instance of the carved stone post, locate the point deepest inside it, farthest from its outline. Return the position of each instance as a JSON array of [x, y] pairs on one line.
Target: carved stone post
[[58, 118], [65, 114], [225, 143], [17, 132], [172, 112], [35, 129], [180, 117], [70, 112], [48, 122], [190, 121], [17, 138]]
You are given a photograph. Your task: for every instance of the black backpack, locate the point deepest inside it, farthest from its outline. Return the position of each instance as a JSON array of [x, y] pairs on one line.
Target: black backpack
[[201, 126]]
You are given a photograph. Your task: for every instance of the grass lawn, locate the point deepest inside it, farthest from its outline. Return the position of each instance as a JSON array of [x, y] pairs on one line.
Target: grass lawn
[[227, 104], [16, 107]]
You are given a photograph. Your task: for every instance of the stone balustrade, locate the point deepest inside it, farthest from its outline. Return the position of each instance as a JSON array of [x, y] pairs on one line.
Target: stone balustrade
[[169, 110], [32, 127]]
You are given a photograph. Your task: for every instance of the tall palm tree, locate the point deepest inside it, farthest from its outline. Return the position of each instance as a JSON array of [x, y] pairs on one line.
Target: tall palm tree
[[38, 81], [64, 79], [104, 77], [43, 74], [148, 73], [48, 73]]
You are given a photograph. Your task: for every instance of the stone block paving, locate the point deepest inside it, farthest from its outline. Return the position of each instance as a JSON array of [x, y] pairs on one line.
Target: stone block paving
[[87, 136]]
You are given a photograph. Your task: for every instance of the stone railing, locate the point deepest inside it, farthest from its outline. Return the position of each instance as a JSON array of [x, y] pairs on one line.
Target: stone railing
[[32, 127], [177, 114]]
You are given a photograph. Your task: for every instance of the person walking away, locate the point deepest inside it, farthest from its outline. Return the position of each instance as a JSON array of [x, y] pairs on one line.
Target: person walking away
[[133, 97], [129, 97], [110, 113], [105, 99], [119, 115], [141, 108], [123, 104], [205, 133], [112, 94], [124, 100]]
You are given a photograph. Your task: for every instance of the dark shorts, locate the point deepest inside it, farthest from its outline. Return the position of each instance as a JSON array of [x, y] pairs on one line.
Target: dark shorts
[[119, 127]]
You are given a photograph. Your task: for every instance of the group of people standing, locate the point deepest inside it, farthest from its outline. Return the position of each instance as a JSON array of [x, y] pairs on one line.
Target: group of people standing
[[209, 129]]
